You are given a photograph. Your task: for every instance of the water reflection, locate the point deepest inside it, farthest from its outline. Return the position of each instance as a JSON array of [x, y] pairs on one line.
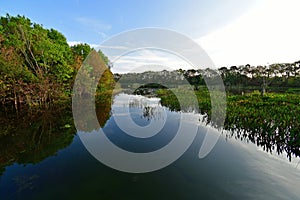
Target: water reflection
[[274, 133], [151, 107], [233, 170], [103, 109], [272, 137], [140, 124], [33, 135], [30, 137]]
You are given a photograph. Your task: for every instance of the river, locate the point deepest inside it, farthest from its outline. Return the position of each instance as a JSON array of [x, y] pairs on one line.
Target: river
[[62, 168]]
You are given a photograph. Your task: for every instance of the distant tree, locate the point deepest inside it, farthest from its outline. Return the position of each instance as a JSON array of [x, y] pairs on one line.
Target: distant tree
[[224, 72]]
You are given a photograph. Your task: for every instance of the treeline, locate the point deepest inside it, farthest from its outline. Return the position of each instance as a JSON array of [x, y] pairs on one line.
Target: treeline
[[283, 76], [37, 66], [280, 77]]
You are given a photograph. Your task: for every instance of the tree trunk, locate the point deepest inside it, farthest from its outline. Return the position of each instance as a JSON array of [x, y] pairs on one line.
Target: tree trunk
[[15, 98], [263, 89]]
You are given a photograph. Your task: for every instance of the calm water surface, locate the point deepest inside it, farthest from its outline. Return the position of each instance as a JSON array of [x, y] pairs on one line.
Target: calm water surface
[[233, 169]]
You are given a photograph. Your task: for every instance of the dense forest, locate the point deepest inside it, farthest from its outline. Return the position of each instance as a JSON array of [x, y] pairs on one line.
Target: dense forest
[[37, 66]]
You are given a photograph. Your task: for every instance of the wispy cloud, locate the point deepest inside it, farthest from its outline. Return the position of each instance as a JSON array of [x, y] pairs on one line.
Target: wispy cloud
[[113, 47], [96, 25], [141, 60], [145, 60]]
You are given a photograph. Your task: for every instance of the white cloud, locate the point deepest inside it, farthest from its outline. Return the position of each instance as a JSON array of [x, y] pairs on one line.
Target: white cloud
[[147, 59], [268, 34], [72, 43], [113, 47], [141, 60]]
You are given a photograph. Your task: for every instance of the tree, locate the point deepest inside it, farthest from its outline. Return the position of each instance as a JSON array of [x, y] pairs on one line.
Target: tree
[[105, 59], [35, 62], [81, 50]]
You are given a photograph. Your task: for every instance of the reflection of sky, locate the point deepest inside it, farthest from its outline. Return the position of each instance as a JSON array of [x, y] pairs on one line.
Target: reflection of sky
[[281, 176], [124, 100], [138, 116], [233, 170], [244, 171], [125, 105]]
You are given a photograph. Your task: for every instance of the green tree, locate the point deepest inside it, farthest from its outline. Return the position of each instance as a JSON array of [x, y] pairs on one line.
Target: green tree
[[35, 62]]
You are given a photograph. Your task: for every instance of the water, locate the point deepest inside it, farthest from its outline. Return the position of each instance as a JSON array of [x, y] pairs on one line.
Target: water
[[56, 165]]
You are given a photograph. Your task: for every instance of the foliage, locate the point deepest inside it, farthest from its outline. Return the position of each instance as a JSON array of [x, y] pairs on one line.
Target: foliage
[[35, 62], [270, 121], [37, 66]]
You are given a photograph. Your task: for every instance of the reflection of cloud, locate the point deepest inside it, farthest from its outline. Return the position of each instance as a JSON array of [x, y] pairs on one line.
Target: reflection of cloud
[[268, 34]]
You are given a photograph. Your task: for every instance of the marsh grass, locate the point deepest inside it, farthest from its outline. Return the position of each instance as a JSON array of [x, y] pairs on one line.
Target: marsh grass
[[271, 121]]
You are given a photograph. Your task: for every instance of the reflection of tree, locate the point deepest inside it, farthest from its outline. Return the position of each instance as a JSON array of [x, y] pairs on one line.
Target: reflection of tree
[[272, 126], [25, 182], [103, 108], [271, 121], [137, 103], [150, 110], [32, 137], [94, 85], [152, 113]]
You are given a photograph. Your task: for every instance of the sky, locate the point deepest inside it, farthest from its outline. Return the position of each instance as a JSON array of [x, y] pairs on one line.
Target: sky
[[232, 32]]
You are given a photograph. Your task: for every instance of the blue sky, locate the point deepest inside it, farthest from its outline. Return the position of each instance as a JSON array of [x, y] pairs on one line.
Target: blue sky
[[92, 21], [233, 32]]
